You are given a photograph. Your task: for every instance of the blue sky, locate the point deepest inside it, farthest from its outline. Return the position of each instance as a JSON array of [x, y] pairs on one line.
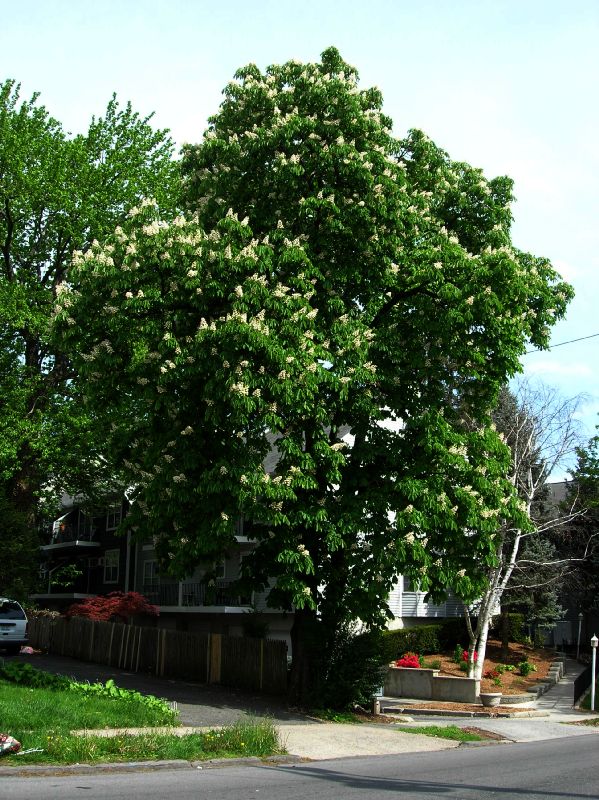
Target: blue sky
[[508, 85]]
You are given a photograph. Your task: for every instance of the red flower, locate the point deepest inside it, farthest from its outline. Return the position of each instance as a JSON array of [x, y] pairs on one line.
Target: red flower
[[465, 656], [408, 660]]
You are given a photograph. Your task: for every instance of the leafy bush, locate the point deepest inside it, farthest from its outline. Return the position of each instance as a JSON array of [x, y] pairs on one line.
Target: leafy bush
[[492, 673], [436, 638], [356, 668], [113, 606], [501, 668], [409, 660], [452, 631], [526, 667], [422, 639], [26, 675]]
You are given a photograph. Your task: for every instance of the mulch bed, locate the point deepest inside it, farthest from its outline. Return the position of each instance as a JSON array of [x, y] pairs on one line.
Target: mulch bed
[[511, 682], [492, 712]]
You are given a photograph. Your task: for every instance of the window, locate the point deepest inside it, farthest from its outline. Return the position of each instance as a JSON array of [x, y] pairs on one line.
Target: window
[[86, 528], [219, 569], [10, 609], [111, 566], [113, 517], [150, 573]]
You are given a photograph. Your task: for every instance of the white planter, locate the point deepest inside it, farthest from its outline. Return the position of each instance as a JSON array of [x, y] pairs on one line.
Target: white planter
[[490, 699]]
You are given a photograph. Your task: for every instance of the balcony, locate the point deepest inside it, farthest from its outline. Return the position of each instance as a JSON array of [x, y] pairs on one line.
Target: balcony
[[70, 538], [196, 595]]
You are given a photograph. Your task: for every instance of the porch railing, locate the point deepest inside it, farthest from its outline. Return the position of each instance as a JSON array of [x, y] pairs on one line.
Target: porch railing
[[219, 593]]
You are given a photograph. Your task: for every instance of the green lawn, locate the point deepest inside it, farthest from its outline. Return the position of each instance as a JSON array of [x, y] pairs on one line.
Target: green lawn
[[42, 718], [26, 709], [442, 732]]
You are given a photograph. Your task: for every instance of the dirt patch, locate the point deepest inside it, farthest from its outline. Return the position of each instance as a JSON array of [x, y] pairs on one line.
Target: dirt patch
[[509, 682], [496, 737]]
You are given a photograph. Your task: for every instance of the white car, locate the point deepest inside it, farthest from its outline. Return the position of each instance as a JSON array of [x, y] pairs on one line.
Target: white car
[[13, 625]]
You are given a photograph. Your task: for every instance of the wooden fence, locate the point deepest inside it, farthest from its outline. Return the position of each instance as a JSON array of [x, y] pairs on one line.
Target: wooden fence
[[241, 663]]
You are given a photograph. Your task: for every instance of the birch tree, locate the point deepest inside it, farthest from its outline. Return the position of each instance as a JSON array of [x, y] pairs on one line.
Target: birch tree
[[542, 433]]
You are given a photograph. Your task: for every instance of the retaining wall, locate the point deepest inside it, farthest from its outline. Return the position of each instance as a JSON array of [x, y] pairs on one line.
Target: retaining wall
[[427, 684]]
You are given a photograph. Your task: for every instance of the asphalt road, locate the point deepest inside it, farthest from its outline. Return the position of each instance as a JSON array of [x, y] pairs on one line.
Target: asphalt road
[[551, 770]]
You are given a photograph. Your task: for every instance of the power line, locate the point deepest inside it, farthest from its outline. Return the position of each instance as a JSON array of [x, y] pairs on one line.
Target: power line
[[561, 344]]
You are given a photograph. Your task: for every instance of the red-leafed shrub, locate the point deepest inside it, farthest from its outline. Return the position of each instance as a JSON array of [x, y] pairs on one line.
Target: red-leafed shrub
[[408, 660], [465, 656], [116, 606]]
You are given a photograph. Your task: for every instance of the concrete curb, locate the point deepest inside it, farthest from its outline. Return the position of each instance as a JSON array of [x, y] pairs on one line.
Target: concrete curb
[[440, 712], [42, 770]]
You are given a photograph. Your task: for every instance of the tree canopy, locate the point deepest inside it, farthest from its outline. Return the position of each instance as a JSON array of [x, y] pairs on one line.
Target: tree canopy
[[57, 193], [346, 297]]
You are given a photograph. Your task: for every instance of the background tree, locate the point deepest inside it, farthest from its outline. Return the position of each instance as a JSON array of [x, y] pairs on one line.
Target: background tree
[[341, 296], [57, 193], [19, 552], [541, 431], [535, 587], [581, 540]]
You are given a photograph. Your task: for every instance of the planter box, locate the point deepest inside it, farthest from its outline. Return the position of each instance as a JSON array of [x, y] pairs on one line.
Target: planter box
[[455, 690], [427, 684], [410, 682]]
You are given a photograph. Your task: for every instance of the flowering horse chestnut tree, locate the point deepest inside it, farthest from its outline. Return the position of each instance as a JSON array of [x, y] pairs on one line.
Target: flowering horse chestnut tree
[[346, 297]]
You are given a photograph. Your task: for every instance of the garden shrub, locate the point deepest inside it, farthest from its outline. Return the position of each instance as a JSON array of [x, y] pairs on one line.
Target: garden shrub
[[426, 639], [421, 639], [113, 607], [453, 631], [357, 667], [526, 667], [408, 659]]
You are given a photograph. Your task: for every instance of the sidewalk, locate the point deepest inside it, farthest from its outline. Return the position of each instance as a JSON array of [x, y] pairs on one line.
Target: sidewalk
[[317, 740]]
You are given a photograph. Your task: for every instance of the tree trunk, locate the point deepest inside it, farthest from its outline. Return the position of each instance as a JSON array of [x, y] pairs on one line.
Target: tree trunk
[[304, 669], [482, 649], [505, 634]]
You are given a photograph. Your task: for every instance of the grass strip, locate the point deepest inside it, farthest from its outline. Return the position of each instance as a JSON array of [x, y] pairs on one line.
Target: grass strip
[[442, 732], [245, 738]]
